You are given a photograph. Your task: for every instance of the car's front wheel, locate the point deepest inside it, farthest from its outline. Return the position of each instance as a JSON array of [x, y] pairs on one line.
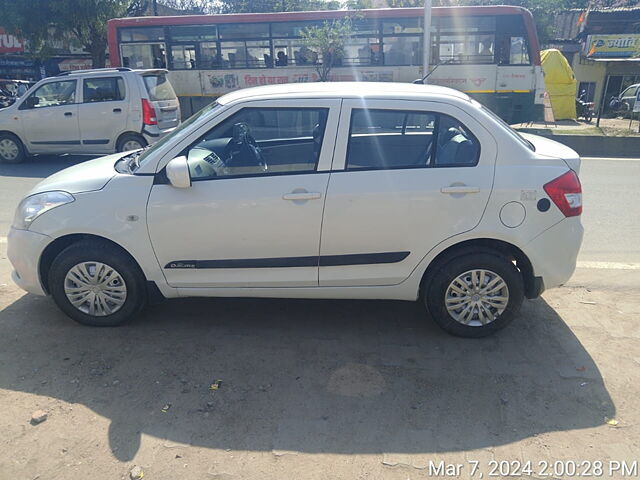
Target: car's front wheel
[[95, 283], [475, 294]]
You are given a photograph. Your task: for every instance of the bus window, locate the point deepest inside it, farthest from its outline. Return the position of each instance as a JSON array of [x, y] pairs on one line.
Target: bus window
[[514, 50], [232, 31], [402, 25], [459, 48], [142, 34], [183, 57], [406, 50], [209, 57], [249, 54], [362, 51], [143, 55]]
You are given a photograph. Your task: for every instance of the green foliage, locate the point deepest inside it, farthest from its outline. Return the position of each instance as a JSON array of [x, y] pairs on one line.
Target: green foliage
[[328, 40], [265, 6], [82, 21], [30, 20]]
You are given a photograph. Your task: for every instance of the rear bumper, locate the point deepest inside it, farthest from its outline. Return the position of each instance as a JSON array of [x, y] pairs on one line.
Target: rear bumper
[[152, 133], [553, 253], [24, 249]]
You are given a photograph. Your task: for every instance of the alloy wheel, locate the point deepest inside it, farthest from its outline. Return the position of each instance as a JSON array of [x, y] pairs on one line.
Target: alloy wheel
[[477, 297]]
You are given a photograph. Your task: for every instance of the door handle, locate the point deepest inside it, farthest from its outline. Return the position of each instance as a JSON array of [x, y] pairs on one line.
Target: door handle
[[302, 196], [117, 110], [453, 189], [67, 114]]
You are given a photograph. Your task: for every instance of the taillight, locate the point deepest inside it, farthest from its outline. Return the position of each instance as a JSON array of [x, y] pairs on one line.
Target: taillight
[[148, 113], [566, 193]]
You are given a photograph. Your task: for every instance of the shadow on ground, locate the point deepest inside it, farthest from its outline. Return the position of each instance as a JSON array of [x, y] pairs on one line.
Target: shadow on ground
[[308, 376]]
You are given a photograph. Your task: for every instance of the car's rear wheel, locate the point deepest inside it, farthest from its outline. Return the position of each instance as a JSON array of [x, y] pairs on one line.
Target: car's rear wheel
[[131, 141], [97, 284], [11, 149], [475, 294]]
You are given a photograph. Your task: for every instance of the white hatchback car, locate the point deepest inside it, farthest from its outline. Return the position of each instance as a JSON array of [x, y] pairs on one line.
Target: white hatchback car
[[323, 190], [90, 111]]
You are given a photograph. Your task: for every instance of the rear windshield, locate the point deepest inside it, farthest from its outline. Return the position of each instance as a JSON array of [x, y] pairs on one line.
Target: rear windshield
[[158, 87], [514, 133]]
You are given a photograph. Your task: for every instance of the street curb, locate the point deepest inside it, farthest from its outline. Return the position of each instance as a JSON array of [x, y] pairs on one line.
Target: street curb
[[600, 146]]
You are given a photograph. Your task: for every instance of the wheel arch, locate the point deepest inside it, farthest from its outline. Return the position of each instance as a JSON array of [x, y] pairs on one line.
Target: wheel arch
[[24, 145], [532, 287], [128, 132], [53, 249]]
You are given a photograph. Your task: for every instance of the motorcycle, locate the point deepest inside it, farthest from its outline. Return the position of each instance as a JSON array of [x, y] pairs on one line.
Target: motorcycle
[[584, 109]]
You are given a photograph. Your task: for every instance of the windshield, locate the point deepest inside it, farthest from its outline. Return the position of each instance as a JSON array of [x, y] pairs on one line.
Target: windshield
[[159, 87], [144, 155], [514, 133]]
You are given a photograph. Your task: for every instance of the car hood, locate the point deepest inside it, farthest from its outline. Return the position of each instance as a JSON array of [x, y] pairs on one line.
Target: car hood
[[85, 177], [550, 148]]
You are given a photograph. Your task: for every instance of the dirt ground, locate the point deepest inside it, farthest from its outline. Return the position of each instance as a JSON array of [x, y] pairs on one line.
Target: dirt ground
[[320, 389]]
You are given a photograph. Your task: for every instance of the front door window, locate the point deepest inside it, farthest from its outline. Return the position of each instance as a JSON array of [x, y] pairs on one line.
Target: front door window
[[260, 141], [53, 94]]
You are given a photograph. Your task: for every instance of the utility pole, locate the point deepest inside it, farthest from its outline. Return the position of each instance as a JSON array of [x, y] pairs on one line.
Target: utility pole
[[426, 49], [155, 8]]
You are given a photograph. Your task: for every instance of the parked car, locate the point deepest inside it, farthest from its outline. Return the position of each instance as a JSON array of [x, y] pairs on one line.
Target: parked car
[[324, 190], [89, 111], [626, 100], [11, 90]]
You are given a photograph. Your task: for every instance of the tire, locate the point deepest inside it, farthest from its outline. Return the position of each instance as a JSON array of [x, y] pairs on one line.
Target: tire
[[439, 287], [97, 257], [126, 141], [11, 149], [588, 117]]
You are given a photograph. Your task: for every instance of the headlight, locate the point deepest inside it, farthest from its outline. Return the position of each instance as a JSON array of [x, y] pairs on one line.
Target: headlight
[[31, 207]]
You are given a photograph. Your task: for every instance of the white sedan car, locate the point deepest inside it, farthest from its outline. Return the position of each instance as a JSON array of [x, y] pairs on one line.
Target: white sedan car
[[323, 190]]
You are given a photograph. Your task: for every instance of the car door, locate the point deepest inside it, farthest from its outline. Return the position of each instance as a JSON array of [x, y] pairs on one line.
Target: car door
[[629, 97], [103, 112], [49, 118], [406, 176], [253, 214]]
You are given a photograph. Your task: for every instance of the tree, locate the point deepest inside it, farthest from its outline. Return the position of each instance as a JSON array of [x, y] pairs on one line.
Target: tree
[[87, 20], [328, 40], [38, 21], [30, 20], [266, 6]]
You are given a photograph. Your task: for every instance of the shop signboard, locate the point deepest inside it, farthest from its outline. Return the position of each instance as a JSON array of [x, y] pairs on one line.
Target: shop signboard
[[10, 43], [613, 46]]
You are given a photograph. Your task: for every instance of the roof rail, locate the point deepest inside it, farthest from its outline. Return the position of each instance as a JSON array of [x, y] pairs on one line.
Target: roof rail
[[118, 69]]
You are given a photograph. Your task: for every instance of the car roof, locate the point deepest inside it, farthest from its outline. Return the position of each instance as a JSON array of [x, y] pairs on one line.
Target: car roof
[[110, 71], [344, 90]]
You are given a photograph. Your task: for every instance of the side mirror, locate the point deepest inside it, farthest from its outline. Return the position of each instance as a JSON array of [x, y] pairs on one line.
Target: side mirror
[[178, 172]]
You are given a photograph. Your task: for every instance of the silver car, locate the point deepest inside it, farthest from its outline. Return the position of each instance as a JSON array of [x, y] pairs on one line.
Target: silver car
[[90, 112]]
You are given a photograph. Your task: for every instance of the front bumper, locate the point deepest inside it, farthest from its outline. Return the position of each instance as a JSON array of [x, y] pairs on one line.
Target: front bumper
[[24, 249], [553, 253]]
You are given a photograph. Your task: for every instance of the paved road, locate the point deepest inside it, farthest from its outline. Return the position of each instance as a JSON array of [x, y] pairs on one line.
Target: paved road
[[328, 389], [611, 203]]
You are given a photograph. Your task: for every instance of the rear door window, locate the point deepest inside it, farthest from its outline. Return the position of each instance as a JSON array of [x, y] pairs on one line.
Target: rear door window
[[104, 89], [390, 139], [159, 87]]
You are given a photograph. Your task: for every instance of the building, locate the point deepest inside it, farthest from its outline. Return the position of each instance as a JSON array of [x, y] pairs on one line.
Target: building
[[603, 48]]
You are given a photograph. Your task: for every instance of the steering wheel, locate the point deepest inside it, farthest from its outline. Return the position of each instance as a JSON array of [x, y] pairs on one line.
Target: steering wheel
[[248, 147]]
